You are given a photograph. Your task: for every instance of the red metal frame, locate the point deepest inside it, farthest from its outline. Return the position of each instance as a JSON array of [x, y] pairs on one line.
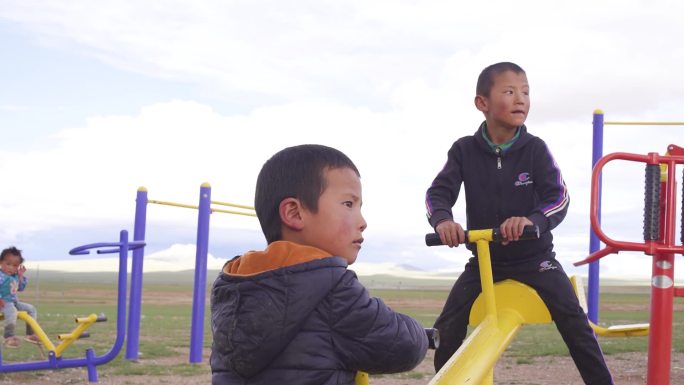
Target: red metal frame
[[662, 250]]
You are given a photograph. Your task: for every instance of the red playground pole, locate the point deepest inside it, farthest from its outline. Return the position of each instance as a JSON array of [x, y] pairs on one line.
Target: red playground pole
[[662, 286]]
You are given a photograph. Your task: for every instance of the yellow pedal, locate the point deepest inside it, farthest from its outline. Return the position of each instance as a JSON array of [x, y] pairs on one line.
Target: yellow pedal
[[89, 319], [67, 336]]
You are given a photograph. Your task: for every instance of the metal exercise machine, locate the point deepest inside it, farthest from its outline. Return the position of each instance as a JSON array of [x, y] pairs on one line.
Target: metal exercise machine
[[91, 360]]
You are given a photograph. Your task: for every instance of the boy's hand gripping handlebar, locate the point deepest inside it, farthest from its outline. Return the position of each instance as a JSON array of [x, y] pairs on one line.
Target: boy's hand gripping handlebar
[[489, 235], [482, 238]]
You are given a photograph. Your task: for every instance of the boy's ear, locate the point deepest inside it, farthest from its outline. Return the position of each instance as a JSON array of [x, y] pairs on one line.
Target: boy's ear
[[291, 213], [481, 103]]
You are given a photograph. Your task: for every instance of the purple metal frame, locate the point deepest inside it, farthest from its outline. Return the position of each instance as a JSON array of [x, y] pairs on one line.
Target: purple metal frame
[[594, 243], [200, 282], [199, 292]]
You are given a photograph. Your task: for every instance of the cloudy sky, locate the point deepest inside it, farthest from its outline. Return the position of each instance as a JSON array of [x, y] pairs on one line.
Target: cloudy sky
[[100, 98]]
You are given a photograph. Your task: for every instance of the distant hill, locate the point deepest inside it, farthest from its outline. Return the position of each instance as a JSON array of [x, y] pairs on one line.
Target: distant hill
[[426, 281], [185, 277]]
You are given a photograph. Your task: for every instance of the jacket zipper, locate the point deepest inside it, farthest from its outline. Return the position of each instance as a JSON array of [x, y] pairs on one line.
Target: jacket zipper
[[498, 158], [498, 177]]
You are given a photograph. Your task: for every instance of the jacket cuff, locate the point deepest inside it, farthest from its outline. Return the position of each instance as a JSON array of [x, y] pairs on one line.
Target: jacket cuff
[[541, 221], [439, 216]]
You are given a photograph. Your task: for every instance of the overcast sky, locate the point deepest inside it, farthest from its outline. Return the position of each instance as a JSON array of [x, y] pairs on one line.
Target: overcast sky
[[100, 98]]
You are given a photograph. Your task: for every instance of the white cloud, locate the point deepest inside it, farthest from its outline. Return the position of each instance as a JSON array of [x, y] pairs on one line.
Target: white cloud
[[92, 172], [390, 83], [12, 107], [171, 148], [577, 55]]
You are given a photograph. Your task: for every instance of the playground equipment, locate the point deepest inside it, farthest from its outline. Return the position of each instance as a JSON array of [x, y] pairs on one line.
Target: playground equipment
[[91, 360], [598, 124], [499, 312], [80, 331], [659, 241], [204, 210], [629, 330]]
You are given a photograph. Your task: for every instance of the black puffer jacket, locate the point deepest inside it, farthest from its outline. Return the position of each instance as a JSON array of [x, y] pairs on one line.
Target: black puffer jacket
[[311, 322]]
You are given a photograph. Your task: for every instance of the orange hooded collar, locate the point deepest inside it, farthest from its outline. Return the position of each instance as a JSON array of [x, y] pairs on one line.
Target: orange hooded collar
[[278, 254]]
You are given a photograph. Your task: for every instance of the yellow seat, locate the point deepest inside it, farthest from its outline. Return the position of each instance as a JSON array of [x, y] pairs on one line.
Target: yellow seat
[[516, 304], [516, 297]]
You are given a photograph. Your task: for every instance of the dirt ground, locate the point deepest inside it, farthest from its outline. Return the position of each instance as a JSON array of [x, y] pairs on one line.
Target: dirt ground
[[627, 369]]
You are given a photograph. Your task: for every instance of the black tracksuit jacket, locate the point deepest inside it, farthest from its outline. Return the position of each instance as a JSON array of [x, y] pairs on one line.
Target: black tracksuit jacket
[[524, 181]]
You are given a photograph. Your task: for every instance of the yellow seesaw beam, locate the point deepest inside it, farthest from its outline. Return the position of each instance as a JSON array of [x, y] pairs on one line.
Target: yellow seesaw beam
[[361, 378], [473, 363], [44, 339], [628, 330]]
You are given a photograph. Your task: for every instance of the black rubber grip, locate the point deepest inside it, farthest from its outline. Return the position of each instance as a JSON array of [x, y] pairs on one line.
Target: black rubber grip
[[101, 318], [433, 337], [84, 335], [529, 232], [432, 239], [652, 203]]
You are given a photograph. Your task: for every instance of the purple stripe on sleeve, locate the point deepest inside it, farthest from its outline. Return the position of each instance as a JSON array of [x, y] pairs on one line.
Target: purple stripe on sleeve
[[562, 200]]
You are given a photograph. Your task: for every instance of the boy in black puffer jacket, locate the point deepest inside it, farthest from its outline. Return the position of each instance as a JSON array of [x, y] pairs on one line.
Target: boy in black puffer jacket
[[293, 313]]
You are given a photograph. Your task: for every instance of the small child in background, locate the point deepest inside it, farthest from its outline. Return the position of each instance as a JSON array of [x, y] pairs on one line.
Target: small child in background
[[12, 281]]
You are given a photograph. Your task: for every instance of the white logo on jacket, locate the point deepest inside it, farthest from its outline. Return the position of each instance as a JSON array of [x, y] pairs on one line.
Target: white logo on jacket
[[523, 179], [546, 265]]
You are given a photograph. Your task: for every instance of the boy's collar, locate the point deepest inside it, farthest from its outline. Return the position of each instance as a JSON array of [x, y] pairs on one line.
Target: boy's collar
[[278, 254], [492, 145]]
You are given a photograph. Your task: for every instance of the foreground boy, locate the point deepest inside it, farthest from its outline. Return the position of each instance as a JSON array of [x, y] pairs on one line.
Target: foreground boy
[[294, 314], [511, 180]]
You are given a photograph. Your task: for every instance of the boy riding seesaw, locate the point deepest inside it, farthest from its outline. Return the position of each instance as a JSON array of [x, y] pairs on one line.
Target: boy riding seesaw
[[511, 180]]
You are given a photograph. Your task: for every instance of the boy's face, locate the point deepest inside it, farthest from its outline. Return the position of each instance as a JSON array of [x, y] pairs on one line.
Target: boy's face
[[508, 102], [338, 224], [10, 265]]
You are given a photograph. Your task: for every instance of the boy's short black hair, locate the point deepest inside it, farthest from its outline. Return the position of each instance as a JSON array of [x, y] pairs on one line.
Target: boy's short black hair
[[486, 79], [294, 172], [11, 251]]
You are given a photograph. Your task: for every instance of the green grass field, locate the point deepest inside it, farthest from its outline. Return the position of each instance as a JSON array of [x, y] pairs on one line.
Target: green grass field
[[167, 297]]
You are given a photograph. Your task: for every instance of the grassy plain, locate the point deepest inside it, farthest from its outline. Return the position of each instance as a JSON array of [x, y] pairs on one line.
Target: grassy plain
[[166, 309]]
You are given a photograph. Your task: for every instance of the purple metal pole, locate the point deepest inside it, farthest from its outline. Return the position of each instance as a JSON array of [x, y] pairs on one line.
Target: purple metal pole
[[594, 243], [92, 369], [133, 340], [199, 294]]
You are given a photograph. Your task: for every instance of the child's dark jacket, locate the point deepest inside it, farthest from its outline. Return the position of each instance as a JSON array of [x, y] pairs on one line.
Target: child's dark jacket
[[524, 181], [293, 314]]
